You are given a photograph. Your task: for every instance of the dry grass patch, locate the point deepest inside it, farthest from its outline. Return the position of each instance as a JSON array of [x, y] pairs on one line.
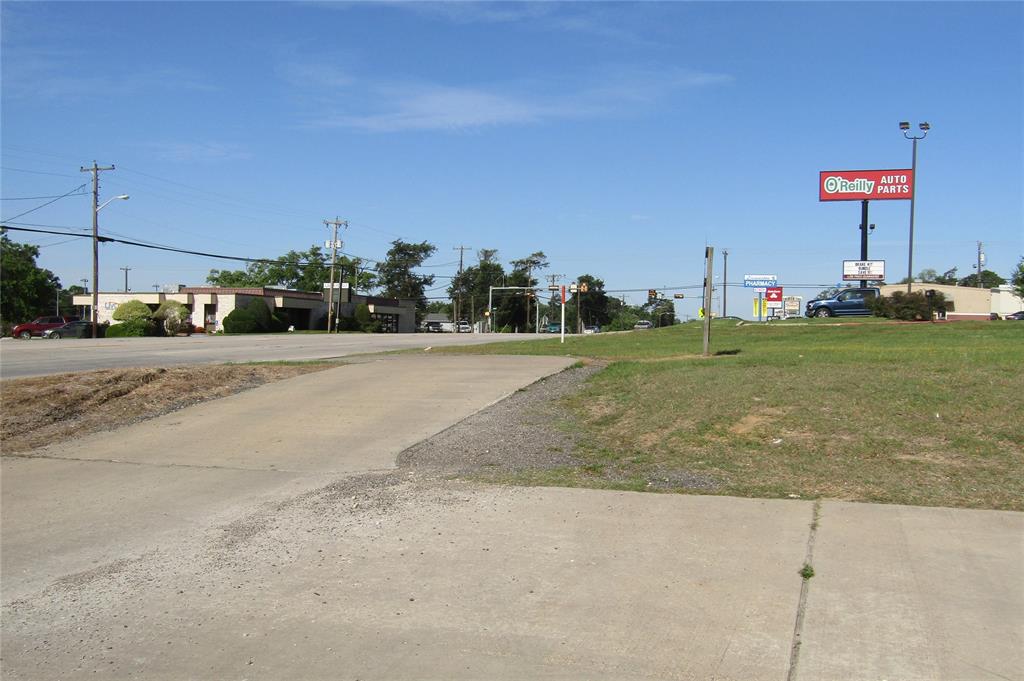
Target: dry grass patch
[[41, 410]]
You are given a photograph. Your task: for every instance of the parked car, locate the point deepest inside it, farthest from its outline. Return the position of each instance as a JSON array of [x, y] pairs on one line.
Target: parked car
[[463, 327], [554, 327], [591, 329], [433, 327], [850, 302], [75, 330], [1018, 316], [37, 326], [643, 324]]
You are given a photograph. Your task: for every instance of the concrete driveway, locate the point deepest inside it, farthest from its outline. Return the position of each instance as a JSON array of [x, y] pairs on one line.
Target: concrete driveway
[[249, 559]]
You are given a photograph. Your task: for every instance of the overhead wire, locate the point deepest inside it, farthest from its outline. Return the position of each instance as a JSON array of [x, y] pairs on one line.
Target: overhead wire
[[45, 204]]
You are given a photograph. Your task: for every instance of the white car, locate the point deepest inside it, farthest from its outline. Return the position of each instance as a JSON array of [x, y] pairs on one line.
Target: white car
[[463, 327]]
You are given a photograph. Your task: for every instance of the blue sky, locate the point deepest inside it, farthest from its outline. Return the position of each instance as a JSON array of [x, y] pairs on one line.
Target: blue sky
[[617, 138]]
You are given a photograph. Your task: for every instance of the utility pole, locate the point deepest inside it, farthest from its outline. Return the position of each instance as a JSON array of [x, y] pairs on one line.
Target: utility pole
[[981, 262], [156, 287], [725, 279], [126, 270], [553, 286], [709, 254], [335, 244], [85, 285], [95, 170], [458, 305]]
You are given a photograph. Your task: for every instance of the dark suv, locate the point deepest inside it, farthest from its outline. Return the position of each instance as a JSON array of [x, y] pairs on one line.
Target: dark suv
[[37, 326], [849, 302]]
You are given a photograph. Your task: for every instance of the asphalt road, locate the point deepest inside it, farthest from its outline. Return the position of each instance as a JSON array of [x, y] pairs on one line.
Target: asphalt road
[[39, 357]]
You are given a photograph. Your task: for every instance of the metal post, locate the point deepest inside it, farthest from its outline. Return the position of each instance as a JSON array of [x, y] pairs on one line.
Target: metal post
[[863, 236], [709, 254], [490, 309], [725, 279], [563, 315], [536, 324]]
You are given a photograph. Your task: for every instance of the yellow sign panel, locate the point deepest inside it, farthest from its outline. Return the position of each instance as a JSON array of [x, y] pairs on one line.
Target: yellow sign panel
[[764, 307]]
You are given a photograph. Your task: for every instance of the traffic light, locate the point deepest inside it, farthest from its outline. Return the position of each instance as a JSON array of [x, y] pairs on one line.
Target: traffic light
[[583, 287], [652, 295]]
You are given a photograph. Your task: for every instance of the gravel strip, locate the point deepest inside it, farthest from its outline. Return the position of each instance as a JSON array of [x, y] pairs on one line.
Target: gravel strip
[[516, 434]]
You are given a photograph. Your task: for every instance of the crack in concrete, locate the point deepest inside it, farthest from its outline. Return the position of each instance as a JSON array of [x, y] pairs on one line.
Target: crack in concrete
[[801, 608]]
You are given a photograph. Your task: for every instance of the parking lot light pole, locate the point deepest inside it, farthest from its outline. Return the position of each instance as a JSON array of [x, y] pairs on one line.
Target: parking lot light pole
[[905, 127]]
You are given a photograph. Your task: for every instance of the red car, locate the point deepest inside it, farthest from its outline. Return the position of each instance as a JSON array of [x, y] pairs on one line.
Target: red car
[[37, 326]]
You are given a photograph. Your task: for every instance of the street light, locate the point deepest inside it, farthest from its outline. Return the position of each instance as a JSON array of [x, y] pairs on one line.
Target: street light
[[96, 256], [905, 127]]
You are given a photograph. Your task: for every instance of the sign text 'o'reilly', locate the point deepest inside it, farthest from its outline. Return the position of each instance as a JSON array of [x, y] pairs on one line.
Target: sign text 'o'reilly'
[[865, 185]]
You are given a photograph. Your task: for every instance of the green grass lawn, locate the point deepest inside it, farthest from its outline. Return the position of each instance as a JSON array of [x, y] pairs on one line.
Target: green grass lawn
[[927, 414]]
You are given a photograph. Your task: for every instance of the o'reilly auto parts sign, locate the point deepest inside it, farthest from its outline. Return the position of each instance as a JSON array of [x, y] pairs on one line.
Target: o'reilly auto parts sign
[[865, 185]]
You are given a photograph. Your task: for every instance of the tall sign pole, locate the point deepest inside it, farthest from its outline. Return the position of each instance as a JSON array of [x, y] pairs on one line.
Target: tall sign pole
[[863, 236], [709, 254]]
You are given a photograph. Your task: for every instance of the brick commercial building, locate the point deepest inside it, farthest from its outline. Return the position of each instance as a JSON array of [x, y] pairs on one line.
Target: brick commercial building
[[302, 309]]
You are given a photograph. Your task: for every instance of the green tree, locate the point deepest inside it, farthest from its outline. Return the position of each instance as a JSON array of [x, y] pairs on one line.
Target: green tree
[[989, 279], [475, 283], [396, 277], [26, 290], [67, 304], [1017, 279]]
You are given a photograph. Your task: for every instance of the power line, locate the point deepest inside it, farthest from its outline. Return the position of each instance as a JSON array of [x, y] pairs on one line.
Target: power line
[[34, 172], [81, 186], [35, 198]]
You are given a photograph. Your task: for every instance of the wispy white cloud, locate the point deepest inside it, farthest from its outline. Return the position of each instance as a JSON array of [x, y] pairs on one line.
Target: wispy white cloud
[[314, 74], [398, 107], [601, 20], [47, 74], [198, 152]]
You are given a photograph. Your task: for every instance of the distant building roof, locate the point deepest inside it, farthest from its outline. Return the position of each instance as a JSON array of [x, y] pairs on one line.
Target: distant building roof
[[252, 291]]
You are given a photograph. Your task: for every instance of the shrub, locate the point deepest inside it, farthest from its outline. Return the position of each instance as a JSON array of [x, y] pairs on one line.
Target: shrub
[[914, 306], [366, 322], [349, 324], [240, 320], [261, 313], [174, 316], [132, 310], [131, 328]]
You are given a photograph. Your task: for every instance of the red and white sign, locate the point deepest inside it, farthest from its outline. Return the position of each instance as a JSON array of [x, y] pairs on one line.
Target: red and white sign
[[865, 185], [773, 294]]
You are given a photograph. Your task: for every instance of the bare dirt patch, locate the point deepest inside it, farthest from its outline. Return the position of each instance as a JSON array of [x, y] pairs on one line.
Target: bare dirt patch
[[41, 410], [751, 422]]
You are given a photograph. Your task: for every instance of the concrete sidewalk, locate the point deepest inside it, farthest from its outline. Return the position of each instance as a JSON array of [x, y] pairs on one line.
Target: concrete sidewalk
[[414, 580]]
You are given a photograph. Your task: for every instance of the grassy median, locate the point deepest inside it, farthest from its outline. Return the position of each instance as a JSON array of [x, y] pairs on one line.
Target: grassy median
[[925, 414]]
